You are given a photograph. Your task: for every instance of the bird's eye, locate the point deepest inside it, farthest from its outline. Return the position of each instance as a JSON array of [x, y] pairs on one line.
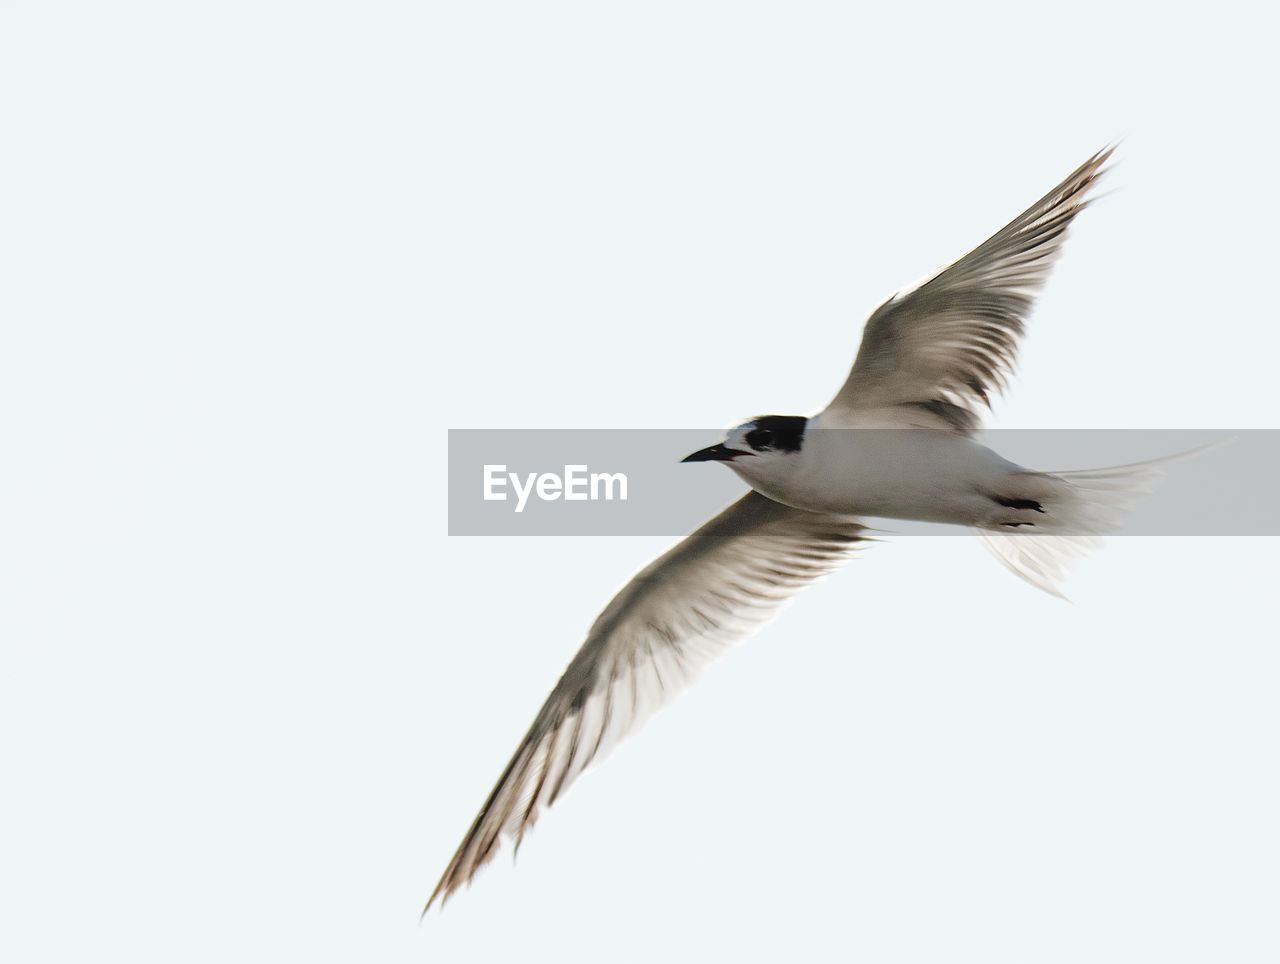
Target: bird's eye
[[760, 438]]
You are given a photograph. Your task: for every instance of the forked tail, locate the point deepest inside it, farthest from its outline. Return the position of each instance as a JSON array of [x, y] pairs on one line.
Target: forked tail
[[1079, 508]]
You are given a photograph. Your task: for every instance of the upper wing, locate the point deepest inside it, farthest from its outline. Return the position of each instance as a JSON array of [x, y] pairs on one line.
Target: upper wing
[[942, 347], [709, 591]]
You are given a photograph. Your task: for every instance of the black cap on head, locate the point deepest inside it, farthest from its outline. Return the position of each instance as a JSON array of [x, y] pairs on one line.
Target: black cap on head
[[779, 433]]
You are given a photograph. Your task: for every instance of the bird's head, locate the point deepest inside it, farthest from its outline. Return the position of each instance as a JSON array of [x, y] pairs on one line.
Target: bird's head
[[760, 450]]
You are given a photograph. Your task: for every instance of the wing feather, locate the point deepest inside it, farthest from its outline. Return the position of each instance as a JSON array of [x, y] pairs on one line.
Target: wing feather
[[938, 351], [709, 591]]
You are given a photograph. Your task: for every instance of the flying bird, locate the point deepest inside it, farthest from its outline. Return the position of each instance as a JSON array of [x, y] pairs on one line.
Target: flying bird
[[897, 441]]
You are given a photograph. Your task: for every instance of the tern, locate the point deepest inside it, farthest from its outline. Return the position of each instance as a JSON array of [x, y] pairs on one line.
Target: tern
[[897, 441]]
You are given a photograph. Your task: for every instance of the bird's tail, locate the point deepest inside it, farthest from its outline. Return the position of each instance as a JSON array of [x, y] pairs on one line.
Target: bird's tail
[[1078, 508]]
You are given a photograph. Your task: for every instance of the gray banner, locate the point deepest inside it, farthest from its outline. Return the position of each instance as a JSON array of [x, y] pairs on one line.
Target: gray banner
[[578, 482]]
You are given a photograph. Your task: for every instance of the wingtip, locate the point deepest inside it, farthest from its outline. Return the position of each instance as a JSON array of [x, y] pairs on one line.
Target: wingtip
[[442, 893], [426, 907], [1101, 163]]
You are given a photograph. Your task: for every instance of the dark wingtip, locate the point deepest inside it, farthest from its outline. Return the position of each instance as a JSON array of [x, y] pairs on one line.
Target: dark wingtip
[[440, 893]]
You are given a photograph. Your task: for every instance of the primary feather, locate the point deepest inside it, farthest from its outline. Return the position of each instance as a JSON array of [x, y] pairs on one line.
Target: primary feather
[[939, 350], [675, 616]]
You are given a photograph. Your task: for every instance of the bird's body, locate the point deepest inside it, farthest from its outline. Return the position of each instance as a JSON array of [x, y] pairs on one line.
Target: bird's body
[[919, 474], [897, 441]]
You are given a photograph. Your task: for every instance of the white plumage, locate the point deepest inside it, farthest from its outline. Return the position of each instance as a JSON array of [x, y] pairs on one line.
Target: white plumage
[[896, 441]]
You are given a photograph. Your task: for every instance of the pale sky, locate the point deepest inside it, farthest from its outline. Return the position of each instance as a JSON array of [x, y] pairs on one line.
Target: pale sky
[[257, 259]]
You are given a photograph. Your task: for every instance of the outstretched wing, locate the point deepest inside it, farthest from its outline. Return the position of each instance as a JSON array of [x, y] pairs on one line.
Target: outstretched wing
[[711, 590], [937, 351]]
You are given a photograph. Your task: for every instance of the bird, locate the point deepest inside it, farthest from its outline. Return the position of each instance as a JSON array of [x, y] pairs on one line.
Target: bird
[[898, 440]]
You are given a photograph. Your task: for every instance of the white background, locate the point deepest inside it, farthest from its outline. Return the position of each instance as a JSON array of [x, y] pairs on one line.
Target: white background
[[255, 259]]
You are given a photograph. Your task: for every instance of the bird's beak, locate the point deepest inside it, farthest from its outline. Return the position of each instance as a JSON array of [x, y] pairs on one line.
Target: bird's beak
[[714, 453]]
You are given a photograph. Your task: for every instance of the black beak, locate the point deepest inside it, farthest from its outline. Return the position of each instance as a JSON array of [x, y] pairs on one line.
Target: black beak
[[714, 453]]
